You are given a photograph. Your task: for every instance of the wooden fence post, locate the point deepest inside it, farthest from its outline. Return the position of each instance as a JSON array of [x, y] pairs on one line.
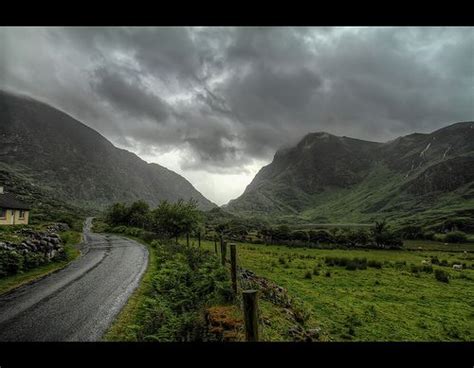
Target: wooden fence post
[[250, 314], [199, 239], [215, 245], [233, 267], [223, 252], [187, 239]]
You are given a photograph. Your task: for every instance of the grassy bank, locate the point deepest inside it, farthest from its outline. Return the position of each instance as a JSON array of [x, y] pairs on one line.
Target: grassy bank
[[123, 328], [396, 302], [70, 238], [179, 286]]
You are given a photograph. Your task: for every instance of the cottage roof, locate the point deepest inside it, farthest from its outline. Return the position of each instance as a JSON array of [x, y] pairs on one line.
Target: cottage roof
[[9, 201]]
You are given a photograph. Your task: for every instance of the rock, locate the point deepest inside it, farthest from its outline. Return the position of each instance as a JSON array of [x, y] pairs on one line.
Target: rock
[[313, 333]]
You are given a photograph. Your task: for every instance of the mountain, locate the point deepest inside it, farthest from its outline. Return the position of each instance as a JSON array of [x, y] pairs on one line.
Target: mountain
[[63, 158], [326, 178]]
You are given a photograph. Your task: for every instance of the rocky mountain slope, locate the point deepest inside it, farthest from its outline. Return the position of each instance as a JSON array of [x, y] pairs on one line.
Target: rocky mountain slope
[[325, 178], [72, 162]]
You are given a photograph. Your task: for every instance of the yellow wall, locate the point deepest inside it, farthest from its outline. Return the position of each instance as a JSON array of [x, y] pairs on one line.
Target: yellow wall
[[16, 218]]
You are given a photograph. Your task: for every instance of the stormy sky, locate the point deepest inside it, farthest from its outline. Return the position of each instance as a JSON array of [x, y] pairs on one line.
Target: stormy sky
[[214, 104]]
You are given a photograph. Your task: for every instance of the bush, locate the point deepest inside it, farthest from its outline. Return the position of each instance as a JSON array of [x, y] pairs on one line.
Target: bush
[[328, 274], [308, 275], [442, 276], [427, 268], [281, 260], [374, 264], [411, 232], [32, 260], [415, 268], [455, 237], [351, 266], [185, 282], [10, 263], [316, 272]]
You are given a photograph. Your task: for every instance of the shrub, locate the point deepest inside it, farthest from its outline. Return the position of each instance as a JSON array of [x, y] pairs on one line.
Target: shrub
[[10, 262], [351, 266], [328, 274], [32, 260], [281, 260], [415, 268], [374, 264], [427, 268], [361, 263], [316, 272], [185, 282], [411, 232], [308, 275], [441, 276], [455, 237]]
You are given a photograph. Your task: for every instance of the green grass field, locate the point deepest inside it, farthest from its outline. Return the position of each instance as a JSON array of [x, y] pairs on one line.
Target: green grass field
[[387, 304]]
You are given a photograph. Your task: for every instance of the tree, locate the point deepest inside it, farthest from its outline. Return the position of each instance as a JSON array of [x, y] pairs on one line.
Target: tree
[[139, 214], [300, 235], [117, 214], [175, 219], [383, 237], [282, 232]]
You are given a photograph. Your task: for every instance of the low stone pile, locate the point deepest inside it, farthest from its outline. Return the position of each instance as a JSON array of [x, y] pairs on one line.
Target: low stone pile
[[57, 227], [277, 295], [269, 290], [47, 243]]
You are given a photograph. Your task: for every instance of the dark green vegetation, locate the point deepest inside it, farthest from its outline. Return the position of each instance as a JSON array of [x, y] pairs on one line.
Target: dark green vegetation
[[180, 283], [19, 270], [185, 282], [422, 179], [166, 221], [48, 156], [370, 295]]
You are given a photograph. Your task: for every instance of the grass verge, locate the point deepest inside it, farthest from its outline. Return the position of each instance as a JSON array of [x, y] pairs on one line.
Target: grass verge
[[121, 328]]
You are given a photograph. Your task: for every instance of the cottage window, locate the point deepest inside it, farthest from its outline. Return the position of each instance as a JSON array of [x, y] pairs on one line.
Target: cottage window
[[22, 214], [3, 213]]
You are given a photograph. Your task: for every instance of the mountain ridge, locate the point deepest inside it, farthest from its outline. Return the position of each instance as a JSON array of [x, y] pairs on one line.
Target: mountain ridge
[[330, 178], [65, 155]]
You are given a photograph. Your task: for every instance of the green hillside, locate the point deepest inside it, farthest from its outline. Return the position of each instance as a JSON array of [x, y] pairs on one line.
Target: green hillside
[[422, 178]]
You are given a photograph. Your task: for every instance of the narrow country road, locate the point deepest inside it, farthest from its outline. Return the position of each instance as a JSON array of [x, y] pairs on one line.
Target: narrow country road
[[79, 302]]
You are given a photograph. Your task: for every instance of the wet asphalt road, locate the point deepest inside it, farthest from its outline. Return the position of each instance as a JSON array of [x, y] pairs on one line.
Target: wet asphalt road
[[79, 302]]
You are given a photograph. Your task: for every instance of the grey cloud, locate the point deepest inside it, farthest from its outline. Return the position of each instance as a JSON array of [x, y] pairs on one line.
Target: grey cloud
[[227, 96], [127, 93]]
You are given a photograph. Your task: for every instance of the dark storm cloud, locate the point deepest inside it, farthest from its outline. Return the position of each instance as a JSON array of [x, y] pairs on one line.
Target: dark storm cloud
[[230, 95], [128, 94]]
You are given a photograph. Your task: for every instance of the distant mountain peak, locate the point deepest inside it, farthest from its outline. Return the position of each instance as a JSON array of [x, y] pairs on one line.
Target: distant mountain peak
[[78, 164], [343, 178]]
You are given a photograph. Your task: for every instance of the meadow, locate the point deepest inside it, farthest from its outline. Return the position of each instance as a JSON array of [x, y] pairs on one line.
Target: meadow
[[395, 298]]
